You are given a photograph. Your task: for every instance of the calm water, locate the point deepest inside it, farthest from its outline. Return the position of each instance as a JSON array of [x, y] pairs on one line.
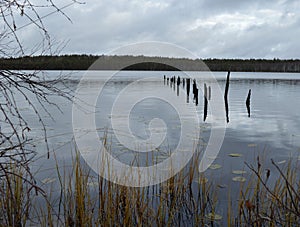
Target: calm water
[[272, 131]]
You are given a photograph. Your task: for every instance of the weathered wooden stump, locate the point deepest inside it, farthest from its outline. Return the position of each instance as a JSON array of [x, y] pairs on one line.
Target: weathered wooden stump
[[248, 102], [188, 83], [205, 102], [226, 97], [178, 81], [196, 96]]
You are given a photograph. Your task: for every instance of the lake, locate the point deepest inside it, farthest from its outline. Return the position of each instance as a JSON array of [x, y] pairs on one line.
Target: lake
[[273, 125], [272, 131]]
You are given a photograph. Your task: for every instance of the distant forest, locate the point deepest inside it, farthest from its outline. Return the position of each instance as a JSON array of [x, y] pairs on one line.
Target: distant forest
[[83, 62]]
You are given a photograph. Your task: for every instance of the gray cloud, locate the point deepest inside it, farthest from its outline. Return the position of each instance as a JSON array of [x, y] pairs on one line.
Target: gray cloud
[[217, 28]]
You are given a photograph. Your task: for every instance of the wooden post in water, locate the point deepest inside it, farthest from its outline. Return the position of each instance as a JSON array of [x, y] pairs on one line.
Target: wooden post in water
[[174, 82], [226, 96], [188, 82], [178, 81], [196, 95], [195, 92], [248, 102], [209, 93], [205, 102], [194, 89]]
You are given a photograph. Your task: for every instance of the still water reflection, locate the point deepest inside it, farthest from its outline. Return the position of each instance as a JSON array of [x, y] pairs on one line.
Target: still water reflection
[[273, 128]]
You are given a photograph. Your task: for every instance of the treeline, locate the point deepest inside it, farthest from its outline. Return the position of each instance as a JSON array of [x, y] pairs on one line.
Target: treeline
[[84, 62]]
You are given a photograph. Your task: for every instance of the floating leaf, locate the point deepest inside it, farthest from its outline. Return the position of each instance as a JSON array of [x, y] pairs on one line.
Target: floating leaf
[[169, 169], [222, 185], [239, 179], [214, 216], [239, 172], [211, 157], [48, 180], [161, 157], [235, 155], [202, 180], [252, 145], [281, 162], [167, 190], [25, 108], [215, 166], [93, 183]]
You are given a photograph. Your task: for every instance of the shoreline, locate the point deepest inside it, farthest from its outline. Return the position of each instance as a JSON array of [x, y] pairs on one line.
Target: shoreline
[[143, 63]]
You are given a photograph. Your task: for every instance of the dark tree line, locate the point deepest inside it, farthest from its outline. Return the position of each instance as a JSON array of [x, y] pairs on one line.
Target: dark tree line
[[254, 65], [83, 62]]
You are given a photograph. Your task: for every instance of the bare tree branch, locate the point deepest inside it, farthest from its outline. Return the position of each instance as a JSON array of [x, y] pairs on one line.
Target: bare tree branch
[[23, 88]]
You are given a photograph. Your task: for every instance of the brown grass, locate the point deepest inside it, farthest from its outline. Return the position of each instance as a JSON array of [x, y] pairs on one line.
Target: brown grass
[[185, 199]]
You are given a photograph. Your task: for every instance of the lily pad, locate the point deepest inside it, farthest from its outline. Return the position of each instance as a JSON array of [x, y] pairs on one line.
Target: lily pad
[[252, 145], [239, 172], [215, 166], [235, 155], [239, 179], [214, 216]]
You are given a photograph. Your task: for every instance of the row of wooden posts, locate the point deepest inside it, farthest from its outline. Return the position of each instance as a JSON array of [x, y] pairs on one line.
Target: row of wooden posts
[[207, 93]]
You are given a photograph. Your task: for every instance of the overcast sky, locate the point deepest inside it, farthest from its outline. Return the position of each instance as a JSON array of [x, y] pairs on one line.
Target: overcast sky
[[207, 28]]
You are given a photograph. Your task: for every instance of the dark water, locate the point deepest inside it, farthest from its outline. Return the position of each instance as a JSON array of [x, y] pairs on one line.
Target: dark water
[[271, 131]]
